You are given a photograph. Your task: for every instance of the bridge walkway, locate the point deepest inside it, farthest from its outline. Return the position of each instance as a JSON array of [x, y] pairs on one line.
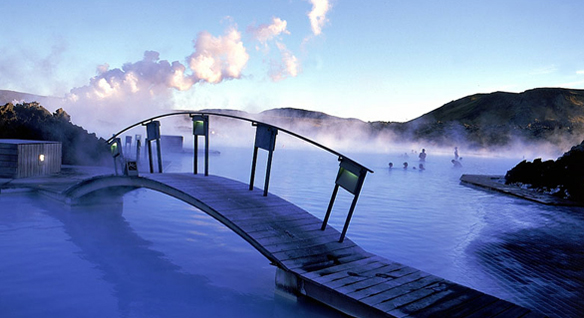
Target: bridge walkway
[[310, 261], [316, 264]]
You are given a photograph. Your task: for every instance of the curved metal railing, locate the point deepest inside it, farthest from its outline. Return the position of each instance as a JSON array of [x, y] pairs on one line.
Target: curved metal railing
[[351, 174]]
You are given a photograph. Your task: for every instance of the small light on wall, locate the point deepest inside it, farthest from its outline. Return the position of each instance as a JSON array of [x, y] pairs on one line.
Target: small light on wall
[[41, 158]]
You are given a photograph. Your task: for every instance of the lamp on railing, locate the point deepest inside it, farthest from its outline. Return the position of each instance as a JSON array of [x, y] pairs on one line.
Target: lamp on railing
[[201, 128], [265, 138], [153, 133], [350, 177], [116, 151]]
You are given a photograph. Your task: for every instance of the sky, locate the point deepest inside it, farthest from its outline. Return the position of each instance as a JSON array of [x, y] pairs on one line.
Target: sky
[[372, 60]]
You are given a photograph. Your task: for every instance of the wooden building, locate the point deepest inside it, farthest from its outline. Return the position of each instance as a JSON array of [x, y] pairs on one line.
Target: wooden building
[[29, 158]]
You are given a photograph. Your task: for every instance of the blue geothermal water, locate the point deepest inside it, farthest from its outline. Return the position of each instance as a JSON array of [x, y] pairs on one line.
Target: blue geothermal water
[[159, 257]]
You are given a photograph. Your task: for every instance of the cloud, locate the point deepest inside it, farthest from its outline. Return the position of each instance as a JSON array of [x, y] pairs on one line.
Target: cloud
[[19, 64], [144, 88], [290, 65], [148, 76], [544, 70], [317, 15], [215, 59], [266, 32], [218, 58]]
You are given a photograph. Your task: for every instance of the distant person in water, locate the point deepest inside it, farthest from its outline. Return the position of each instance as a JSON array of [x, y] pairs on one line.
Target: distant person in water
[[422, 155], [456, 164], [390, 165], [405, 165], [421, 167], [455, 153]]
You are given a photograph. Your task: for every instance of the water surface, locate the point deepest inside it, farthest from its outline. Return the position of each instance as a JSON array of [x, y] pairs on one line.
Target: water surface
[[158, 257]]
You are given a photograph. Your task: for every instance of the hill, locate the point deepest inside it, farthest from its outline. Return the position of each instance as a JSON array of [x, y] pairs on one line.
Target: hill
[[13, 97], [558, 106], [496, 119], [551, 115], [34, 122]]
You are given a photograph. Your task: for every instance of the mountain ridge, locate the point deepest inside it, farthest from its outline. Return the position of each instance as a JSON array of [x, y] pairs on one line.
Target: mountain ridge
[[539, 104], [484, 120]]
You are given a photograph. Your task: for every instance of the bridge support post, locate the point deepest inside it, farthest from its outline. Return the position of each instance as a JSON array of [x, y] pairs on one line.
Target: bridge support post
[[158, 152], [288, 282], [149, 142], [266, 139], [350, 177], [200, 128], [254, 160], [138, 147], [330, 207], [153, 133], [349, 216], [117, 153]]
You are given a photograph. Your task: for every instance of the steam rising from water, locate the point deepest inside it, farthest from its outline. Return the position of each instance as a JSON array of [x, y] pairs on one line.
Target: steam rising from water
[[142, 89], [116, 97], [352, 138]]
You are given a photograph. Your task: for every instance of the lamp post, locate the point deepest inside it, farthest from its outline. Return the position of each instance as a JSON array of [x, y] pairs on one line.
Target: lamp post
[[200, 128], [350, 177]]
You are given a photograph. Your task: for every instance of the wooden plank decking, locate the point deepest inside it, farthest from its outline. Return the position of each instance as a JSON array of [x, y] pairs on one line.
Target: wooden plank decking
[[310, 261], [341, 275]]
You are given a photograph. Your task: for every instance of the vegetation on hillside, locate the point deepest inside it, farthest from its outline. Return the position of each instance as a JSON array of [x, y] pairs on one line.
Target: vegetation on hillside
[[33, 122], [496, 119], [482, 121]]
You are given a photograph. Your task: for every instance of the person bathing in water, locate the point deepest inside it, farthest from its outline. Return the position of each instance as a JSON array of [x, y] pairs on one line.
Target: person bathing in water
[[422, 155]]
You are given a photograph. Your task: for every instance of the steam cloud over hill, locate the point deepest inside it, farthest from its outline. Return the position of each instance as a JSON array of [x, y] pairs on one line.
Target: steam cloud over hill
[[548, 120]]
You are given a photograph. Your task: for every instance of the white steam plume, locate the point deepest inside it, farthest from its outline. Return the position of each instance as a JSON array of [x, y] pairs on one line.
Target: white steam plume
[[290, 65], [317, 15], [266, 32], [148, 76], [218, 58], [144, 88]]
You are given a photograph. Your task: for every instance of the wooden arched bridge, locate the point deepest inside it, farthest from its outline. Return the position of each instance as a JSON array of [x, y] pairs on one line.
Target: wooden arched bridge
[[312, 259]]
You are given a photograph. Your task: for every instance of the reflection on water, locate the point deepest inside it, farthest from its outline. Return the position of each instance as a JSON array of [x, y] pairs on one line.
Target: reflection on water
[[101, 263], [160, 257]]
